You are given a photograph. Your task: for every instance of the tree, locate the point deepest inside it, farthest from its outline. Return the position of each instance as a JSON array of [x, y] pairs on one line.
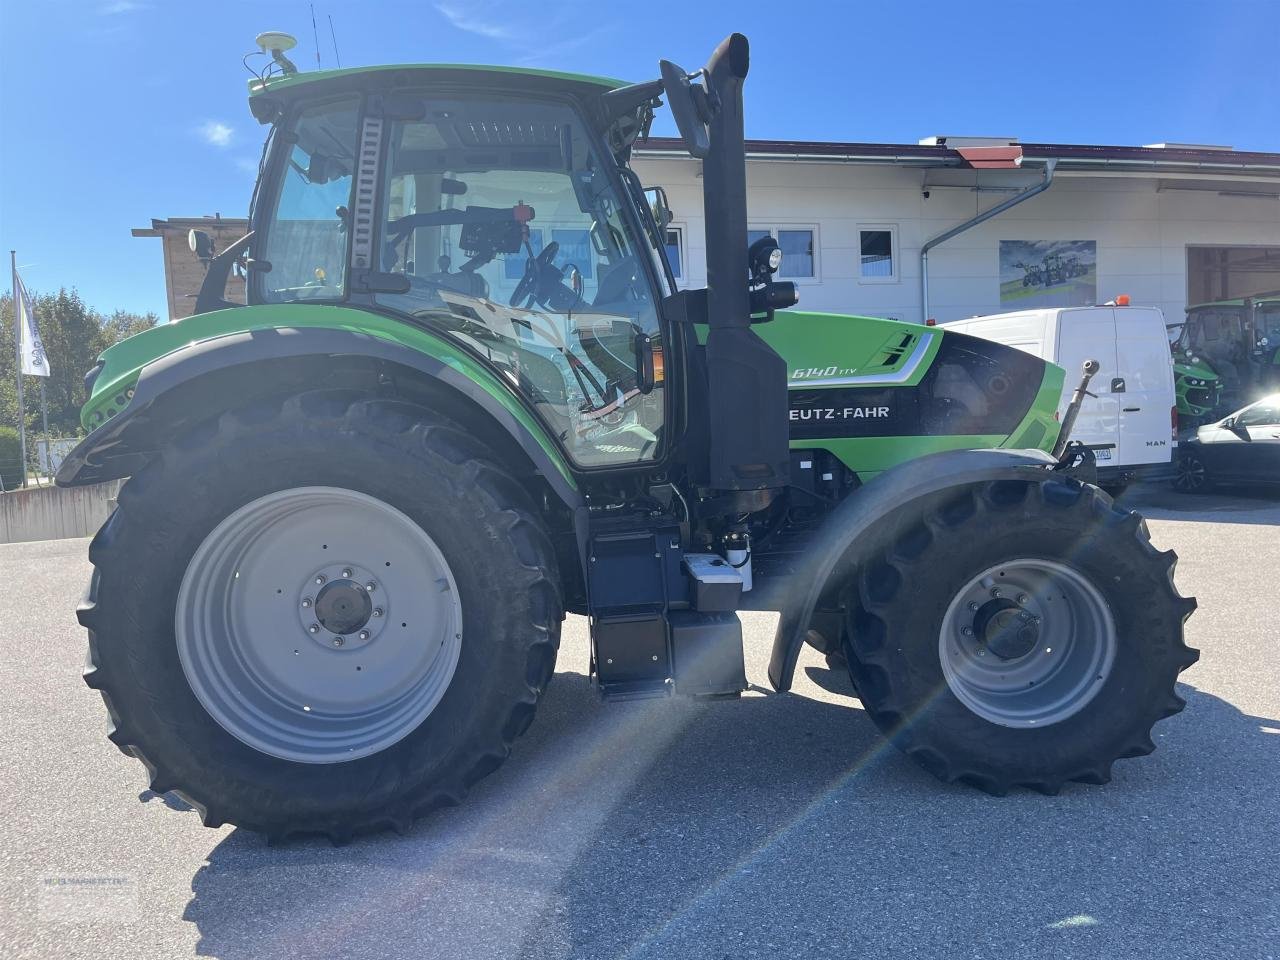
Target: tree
[[10, 475], [74, 335]]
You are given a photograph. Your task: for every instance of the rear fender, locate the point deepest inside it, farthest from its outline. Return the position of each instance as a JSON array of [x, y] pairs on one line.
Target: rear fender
[[847, 535], [179, 386]]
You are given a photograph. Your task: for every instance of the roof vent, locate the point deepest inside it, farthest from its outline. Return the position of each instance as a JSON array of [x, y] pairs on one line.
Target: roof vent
[[1187, 146], [957, 142]]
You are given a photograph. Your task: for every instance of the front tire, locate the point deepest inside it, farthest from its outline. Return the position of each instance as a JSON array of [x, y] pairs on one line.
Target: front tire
[[1191, 474], [1020, 633], [326, 614]]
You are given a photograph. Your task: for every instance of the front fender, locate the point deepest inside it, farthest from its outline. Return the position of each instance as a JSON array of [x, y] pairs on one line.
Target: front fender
[[840, 544], [114, 448]]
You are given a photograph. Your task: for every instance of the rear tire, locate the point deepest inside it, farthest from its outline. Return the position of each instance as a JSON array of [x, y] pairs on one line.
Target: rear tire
[[960, 692], [430, 742]]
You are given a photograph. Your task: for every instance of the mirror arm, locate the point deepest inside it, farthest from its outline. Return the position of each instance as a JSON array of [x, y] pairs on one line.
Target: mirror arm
[[624, 100], [211, 293]]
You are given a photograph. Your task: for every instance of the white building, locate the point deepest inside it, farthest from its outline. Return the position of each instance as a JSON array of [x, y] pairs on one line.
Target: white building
[[1170, 224]]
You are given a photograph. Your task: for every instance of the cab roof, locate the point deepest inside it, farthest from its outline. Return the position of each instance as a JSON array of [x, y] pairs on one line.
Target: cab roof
[[1264, 298], [584, 82]]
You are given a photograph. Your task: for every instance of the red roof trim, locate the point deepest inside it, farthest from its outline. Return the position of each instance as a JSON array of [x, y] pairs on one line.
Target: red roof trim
[[991, 158]]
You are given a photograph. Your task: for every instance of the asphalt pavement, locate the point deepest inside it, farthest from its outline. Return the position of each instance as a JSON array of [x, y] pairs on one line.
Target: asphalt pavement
[[771, 826]]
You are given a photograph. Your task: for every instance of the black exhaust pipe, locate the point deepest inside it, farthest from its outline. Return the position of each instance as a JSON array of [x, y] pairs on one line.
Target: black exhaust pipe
[[746, 379]]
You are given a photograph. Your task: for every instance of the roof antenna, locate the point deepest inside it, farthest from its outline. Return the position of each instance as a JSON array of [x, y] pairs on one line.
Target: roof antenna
[[335, 42], [315, 36], [276, 43]]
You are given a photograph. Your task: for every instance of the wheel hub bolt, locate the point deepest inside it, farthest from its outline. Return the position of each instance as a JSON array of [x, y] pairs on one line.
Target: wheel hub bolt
[[1022, 599], [346, 574], [371, 586], [364, 634], [314, 628], [995, 593], [320, 578], [377, 611], [338, 641], [967, 631], [973, 606], [306, 601]]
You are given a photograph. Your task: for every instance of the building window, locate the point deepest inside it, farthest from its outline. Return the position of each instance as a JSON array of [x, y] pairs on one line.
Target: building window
[[575, 248], [675, 250], [878, 249], [513, 265], [799, 246]]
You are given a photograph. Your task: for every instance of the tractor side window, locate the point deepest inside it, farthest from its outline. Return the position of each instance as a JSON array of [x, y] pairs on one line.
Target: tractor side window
[[306, 241], [511, 234]]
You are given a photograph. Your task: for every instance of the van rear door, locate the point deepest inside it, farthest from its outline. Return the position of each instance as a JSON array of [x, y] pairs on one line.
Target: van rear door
[[1145, 367], [1089, 333]]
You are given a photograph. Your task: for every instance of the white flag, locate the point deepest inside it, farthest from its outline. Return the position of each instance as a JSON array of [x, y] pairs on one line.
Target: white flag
[[30, 346]]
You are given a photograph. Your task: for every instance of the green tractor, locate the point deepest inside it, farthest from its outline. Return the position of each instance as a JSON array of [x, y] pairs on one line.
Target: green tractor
[[1197, 388], [1226, 354], [466, 398]]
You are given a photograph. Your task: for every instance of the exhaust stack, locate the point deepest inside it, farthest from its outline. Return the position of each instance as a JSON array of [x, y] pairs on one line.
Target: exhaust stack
[[746, 379]]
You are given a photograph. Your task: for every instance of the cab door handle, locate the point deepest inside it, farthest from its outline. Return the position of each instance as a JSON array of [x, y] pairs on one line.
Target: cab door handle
[[1132, 409]]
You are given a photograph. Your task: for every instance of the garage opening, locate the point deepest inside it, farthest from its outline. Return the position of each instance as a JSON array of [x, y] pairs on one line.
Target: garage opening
[[1233, 319], [1229, 273]]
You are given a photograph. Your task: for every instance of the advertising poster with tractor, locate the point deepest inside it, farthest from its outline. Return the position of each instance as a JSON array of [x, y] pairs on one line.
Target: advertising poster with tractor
[[1048, 273]]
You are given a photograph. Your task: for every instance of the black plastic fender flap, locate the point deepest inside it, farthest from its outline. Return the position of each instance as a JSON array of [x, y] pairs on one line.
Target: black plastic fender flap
[[839, 545]]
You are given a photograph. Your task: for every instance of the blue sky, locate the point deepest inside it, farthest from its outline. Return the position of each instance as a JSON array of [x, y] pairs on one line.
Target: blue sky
[[117, 111]]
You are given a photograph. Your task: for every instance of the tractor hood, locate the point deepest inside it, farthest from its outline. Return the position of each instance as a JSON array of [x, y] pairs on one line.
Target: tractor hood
[[1183, 366], [878, 392]]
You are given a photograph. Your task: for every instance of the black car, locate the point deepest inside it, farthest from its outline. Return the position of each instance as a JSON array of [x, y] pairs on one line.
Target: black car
[[1243, 448]]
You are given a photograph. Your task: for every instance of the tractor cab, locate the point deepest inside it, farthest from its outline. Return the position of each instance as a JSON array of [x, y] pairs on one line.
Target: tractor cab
[[499, 218], [496, 208]]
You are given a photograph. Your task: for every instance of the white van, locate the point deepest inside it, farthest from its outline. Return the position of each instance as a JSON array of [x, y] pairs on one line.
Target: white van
[[1131, 423]]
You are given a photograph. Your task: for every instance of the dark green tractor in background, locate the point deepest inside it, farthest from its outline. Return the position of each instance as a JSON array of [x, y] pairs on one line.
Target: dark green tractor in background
[[1226, 354], [466, 398]]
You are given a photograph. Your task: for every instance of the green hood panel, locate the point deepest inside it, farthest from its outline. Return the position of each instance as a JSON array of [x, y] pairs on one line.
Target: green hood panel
[[853, 357], [822, 347], [123, 363]]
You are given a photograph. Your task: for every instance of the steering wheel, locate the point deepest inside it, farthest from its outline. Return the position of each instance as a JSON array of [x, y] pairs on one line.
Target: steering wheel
[[529, 284]]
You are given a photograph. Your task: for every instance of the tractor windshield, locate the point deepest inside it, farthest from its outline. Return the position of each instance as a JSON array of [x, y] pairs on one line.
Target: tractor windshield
[[513, 235]]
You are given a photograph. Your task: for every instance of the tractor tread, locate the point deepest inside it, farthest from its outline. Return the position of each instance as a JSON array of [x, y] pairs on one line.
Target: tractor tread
[[877, 598], [121, 678]]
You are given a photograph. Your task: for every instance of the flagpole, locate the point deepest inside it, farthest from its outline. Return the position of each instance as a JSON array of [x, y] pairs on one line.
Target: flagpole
[[17, 353], [44, 416]]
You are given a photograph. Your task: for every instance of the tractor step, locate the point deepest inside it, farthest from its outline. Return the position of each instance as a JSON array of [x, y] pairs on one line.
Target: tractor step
[[662, 621]]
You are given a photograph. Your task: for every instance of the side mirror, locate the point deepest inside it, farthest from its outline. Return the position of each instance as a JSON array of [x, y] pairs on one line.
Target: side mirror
[[1230, 422], [658, 206], [685, 107], [201, 245]]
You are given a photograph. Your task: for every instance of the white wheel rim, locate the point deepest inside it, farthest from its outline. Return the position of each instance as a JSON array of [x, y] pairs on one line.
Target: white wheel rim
[[318, 624]]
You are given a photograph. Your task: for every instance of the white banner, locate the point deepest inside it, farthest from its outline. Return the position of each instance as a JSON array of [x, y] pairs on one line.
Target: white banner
[[30, 346]]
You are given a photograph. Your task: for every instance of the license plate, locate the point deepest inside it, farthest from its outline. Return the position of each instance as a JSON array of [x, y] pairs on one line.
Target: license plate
[[1102, 454]]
